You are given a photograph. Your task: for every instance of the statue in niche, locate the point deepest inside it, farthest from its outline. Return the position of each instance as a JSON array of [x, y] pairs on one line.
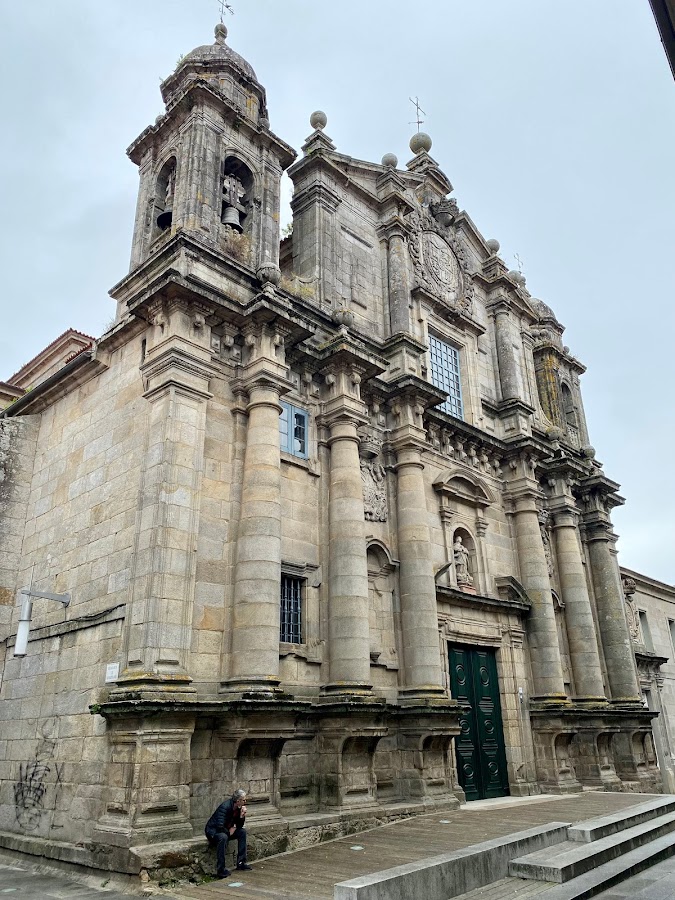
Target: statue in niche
[[461, 558], [374, 491]]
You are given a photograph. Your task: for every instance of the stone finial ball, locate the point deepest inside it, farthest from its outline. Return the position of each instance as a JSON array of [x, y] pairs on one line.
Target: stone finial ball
[[588, 452], [520, 278], [390, 160], [493, 245], [318, 120], [220, 32], [513, 275], [420, 142]]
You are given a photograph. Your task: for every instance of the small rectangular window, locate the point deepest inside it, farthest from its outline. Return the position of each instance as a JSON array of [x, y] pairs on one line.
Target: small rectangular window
[[293, 428], [671, 626], [291, 609], [644, 628], [445, 374]]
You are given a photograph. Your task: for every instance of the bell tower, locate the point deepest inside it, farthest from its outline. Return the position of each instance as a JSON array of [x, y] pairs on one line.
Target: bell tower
[[210, 168]]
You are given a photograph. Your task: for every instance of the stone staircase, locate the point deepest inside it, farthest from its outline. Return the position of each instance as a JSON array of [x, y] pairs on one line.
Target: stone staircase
[[602, 852]]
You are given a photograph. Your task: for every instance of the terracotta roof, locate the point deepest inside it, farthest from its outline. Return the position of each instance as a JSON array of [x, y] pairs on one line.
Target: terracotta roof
[[65, 334]]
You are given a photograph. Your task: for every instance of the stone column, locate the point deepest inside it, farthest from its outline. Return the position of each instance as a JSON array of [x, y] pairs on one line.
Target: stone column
[[399, 288], [581, 634], [158, 628], [422, 675], [257, 578], [348, 604], [506, 358], [609, 601], [543, 644]]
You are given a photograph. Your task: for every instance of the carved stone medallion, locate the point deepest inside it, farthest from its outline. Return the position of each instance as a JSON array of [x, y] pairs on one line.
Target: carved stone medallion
[[440, 262], [374, 491]]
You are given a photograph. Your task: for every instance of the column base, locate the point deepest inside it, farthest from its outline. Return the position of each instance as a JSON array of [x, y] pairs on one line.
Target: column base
[[251, 684], [352, 690], [421, 693], [550, 699], [630, 702], [146, 682], [590, 701]]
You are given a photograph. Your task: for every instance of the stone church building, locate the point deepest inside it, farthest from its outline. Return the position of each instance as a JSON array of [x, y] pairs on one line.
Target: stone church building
[[325, 507]]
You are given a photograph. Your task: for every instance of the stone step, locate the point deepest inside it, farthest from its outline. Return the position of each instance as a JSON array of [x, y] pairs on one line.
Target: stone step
[[603, 826], [611, 873], [571, 858]]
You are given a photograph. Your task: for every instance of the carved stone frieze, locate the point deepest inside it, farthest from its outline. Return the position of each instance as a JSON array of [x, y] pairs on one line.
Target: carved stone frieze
[[463, 450], [373, 477]]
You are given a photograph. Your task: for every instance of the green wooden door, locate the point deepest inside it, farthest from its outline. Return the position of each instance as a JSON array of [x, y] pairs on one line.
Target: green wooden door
[[481, 759]]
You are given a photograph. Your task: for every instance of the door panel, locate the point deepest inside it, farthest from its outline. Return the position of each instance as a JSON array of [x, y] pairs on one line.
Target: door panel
[[481, 758]]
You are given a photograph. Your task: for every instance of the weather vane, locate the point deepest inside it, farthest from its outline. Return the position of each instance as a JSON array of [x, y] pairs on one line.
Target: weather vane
[[418, 110], [519, 262], [224, 5]]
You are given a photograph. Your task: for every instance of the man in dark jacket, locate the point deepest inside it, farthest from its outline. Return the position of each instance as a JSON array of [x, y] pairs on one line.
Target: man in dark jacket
[[226, 823]]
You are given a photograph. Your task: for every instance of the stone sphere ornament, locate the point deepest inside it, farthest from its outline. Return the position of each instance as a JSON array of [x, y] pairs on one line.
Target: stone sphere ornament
[[318, 120], [493, 246], [420, 142], [390, 160]]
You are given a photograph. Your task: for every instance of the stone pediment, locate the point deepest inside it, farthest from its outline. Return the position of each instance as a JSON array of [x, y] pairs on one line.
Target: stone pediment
[[463, 487]]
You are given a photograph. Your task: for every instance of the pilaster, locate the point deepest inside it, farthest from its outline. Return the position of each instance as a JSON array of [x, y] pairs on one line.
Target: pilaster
[[176, 374]]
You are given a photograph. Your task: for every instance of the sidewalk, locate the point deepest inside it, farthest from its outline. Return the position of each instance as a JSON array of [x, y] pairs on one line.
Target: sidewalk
[[311, 874]]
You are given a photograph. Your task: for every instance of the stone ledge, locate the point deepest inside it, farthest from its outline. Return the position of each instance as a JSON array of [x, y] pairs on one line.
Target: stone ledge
[[451, 874]]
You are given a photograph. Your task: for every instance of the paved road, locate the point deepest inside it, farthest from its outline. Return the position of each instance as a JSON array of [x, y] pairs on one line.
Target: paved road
[[24, 883]]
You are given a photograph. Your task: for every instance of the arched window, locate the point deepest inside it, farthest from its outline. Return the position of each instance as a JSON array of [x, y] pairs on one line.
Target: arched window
[[164, 193], [237, 191]]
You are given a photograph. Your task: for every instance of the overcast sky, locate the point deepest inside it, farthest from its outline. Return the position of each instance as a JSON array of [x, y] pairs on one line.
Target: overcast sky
[[554, 121]]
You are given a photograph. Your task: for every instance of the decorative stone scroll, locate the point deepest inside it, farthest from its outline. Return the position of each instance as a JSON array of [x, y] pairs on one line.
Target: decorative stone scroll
[[374, 490]]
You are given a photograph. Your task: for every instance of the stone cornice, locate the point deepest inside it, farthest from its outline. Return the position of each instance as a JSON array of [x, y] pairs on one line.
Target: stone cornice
[[202, 90], [477, 601]]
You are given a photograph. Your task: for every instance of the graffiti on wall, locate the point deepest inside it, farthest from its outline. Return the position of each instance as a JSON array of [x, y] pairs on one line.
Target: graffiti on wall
[[36, 778]]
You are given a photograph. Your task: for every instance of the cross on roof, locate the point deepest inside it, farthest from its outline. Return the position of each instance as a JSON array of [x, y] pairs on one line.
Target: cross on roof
[[224, 5], [519, 262], [418, 110]]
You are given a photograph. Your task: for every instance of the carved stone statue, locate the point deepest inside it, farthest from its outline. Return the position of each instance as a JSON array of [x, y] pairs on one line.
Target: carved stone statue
[[461, 558], [373, 478]]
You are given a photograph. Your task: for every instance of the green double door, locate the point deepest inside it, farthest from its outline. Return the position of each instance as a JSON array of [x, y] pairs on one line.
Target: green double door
[[481, 760]]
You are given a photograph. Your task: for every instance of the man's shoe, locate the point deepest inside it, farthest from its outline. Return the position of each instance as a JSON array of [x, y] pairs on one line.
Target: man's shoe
[[224, 874], [244, 867]]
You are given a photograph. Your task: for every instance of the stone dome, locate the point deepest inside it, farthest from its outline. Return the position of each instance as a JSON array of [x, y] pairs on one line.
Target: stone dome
[[542, 310], [219, 53]]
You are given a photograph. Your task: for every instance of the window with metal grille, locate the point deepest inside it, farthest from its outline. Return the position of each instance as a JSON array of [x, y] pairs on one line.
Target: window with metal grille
[[291, 609], [293, 428], [445, 374]]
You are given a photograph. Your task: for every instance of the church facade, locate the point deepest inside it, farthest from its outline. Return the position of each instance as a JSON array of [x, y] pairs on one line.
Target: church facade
[[325, 507]]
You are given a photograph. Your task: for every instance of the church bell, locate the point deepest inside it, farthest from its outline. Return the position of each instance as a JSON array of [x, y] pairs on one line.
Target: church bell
[[164, 219], [231, 218]]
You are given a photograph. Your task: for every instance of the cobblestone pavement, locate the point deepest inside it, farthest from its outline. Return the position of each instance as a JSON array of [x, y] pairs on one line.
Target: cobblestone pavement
[[311, 874]]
